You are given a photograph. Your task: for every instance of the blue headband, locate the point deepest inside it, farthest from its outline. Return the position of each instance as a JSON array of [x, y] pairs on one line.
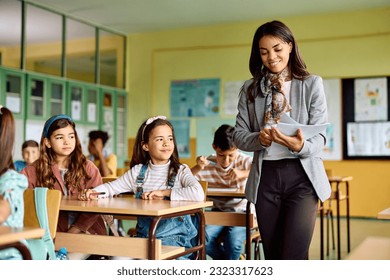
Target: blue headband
[[50, 121]]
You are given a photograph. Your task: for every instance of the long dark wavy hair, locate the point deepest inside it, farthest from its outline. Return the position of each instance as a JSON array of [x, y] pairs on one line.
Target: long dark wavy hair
[[296, 64], [7, 140], [76, 176], [142, 157]]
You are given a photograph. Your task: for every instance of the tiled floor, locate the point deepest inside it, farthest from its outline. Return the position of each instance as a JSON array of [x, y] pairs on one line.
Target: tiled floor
[[360, 229]]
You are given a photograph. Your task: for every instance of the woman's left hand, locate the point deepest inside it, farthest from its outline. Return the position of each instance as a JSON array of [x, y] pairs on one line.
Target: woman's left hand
[[294, 143]]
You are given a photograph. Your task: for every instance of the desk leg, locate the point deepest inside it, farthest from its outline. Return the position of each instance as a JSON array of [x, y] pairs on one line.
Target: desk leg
[[24, 251], [321, 230], [248, 248], [152, 238], [348, 228], [201, 247], [338, 221]]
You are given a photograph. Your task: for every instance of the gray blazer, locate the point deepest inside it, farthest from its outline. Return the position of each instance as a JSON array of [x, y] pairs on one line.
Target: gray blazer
[[307, 99]]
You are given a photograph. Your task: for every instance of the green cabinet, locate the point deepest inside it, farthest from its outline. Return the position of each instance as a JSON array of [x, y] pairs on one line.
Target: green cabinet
[[12, 96], [84, 104], [33, 98], [45, 97], [114, 122], [12, 91]]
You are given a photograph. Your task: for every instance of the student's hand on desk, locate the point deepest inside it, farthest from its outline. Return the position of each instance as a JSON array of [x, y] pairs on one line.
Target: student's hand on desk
[[160, 194], [294, 143], [88, 194], [234, 174]]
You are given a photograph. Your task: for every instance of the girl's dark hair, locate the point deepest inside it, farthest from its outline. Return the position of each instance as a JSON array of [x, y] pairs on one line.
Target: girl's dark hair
[[223, 137], [76, 176], [7, 140], [296, 64], [142, 157]]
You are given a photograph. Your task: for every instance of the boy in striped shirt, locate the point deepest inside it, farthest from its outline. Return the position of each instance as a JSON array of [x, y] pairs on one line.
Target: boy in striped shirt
[[228, 168]]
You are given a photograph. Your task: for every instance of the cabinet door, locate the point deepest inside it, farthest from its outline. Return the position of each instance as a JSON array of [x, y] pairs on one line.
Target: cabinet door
[[76, 102], [108, 119], [14, 92], [92, 105], [57, 100], [45, 97], [121, 136], [37, 98]]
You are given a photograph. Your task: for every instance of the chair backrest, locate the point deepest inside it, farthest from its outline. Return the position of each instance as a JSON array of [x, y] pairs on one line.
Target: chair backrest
[[53, 202], [204, 185], [108, 179]]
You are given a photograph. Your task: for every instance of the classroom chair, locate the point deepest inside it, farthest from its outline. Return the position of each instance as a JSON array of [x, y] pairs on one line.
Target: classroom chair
[[53, 201]]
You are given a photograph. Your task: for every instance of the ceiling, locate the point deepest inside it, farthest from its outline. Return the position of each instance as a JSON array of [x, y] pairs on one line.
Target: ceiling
[[138, 16]]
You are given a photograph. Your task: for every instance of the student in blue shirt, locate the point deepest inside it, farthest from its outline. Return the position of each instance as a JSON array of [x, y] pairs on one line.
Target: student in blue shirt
[[30, 153], [12, 184]]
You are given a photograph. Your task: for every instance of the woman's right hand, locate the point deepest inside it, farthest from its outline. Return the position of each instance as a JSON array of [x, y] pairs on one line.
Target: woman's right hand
[[265, 137]]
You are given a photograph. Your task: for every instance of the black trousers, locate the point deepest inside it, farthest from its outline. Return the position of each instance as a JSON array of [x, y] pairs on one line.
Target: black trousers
[[286, 210]]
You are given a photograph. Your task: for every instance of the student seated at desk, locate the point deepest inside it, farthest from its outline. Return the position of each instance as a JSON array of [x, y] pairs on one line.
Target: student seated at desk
[[106, 162], [62, 166], [156, 173], [229, 168], [12, 184], [30, 153]]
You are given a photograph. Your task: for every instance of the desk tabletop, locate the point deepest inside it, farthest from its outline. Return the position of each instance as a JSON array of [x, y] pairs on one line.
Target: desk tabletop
[[12, 234], [128, 205], [385, 214], [335, 179], [226, 192]]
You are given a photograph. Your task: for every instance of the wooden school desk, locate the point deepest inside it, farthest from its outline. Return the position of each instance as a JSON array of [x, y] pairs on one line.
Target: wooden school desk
[[249, 219], [10, 238], [385, 214], [336, 182], [128, 206]]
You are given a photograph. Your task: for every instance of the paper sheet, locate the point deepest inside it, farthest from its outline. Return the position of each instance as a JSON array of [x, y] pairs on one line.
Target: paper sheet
[[288, 126]]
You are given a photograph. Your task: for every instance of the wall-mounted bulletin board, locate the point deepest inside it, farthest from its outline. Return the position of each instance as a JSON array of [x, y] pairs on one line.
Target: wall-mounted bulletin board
[[366, 118], [332, 150]]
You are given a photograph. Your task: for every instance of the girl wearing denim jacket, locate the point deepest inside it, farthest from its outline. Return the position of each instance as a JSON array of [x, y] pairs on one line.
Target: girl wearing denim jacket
[[156, 173], [12, 184]]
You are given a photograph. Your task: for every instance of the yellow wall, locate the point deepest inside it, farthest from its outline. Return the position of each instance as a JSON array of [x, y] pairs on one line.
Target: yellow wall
[[333, 46]]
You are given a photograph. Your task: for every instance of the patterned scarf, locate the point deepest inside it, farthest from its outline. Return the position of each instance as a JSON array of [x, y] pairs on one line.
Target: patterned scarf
[[276, 102]]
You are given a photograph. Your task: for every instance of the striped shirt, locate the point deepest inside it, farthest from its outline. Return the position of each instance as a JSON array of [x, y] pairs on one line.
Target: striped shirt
[[186, 187], [216, 176]]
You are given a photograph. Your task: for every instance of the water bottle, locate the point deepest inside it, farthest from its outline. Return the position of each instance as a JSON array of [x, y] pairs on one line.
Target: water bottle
[[62, 254]]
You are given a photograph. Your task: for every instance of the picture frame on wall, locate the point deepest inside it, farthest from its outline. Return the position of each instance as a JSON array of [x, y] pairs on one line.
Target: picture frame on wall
[[366, 118]]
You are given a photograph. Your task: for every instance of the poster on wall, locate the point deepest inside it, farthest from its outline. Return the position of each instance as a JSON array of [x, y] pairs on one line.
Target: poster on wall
[[231, 95], [195, 98], [371, 99], [332, 150], [182, 135], [368, 139]]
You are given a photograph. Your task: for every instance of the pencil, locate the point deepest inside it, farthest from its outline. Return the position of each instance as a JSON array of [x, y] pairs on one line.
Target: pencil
[[97, 193]]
